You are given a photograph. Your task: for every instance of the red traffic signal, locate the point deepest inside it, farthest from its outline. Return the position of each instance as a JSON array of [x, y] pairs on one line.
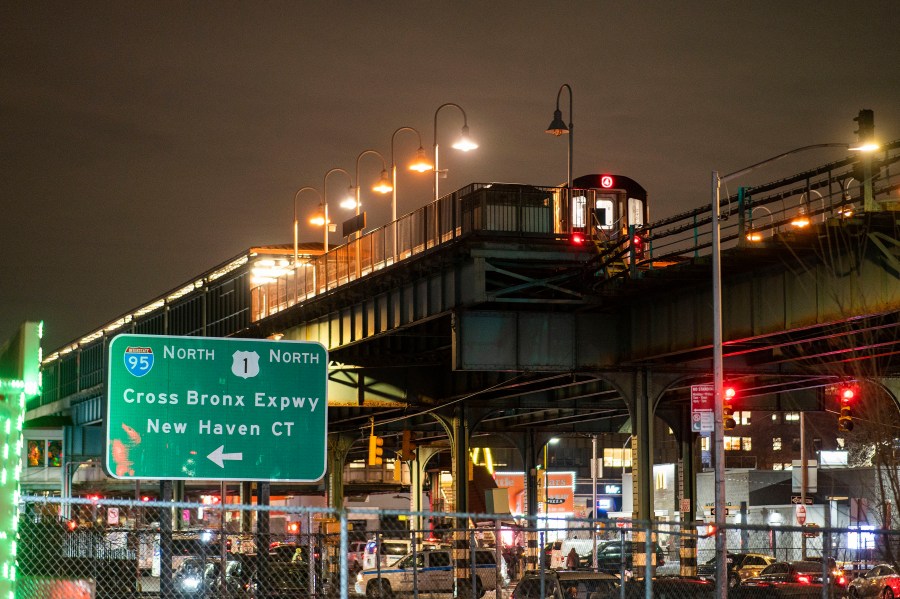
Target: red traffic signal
[[847, 394], [728, 420], [846, 397]]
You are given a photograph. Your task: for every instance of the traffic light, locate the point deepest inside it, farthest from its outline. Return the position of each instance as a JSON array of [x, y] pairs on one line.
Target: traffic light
[[846, 395], [865, 133], [408, 447], [376, 450], [728, 421]]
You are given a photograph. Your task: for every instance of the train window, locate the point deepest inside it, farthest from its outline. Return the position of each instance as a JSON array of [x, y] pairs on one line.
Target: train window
[[579, 203], [603, 212], [635, 212]]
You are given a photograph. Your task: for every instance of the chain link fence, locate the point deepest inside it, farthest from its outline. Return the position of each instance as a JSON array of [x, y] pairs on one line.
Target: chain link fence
[[124, 549]]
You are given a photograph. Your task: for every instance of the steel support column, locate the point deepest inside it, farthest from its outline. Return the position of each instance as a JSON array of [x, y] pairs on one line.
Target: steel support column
[[689, 468], [338, 448]]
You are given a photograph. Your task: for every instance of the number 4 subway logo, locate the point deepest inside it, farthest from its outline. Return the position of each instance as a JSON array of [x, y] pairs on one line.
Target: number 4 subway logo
[[138, 360]]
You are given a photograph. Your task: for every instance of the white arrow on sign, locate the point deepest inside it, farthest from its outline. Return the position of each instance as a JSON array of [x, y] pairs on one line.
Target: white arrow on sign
[[218, 456]]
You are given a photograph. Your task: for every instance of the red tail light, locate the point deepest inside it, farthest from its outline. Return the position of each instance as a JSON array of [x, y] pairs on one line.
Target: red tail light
[[577, 238], [841, 580], [802, 578]]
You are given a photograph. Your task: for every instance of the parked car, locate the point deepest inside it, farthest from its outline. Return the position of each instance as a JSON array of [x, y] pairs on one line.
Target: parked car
[[583, 547], [200, 577], [881, 581], [547, 555], [390, 551], [356, 556], [797, 579], [669, 587], [566, 584], [610, 558], [740, 567], [431, 571]]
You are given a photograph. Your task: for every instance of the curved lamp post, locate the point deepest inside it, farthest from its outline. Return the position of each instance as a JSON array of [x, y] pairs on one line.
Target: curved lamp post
[[384, 184], [420, 165], [464, 143], [718, 383], [296, 223], [324, 219], [558, 127]]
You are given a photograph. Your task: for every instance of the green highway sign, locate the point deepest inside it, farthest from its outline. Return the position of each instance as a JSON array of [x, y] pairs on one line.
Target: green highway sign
[[212, 408]]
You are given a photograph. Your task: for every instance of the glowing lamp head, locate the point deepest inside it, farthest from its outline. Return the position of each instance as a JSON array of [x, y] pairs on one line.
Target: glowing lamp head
[[384, 183], [421, 163], [465, 143], [847, 394], [557, 127]]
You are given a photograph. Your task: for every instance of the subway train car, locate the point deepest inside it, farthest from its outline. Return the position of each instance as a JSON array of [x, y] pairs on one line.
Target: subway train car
[[605, 206]]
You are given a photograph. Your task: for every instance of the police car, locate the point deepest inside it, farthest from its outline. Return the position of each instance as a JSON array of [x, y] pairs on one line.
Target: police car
[[432, 571]]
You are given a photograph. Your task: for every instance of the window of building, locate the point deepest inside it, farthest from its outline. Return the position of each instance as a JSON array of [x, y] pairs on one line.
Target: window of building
[[44, 453], [788, 466], [737, 443], [704, 443], [776, 443], [776, 466], [616, 457], [795, 444], [792, 417], [742, 417], [840, 442], [774, 417]]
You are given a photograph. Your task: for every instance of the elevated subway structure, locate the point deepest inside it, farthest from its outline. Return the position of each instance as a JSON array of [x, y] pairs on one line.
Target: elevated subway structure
[[478, 315]]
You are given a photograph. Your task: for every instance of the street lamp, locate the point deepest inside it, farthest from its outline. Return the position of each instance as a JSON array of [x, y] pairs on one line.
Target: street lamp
[[464, 143], [420, 165], [718, 433], [296, 224], [384, 184], [323, 220], [558, 127]]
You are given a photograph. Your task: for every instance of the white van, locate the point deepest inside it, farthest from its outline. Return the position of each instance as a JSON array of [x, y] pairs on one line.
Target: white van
[[583, 547], [432, 571], [391, 551]]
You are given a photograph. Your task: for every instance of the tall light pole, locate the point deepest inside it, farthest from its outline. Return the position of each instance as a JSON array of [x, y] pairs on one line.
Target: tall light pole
[[296, 223], [325, 223], [718, 379], [384, 184], [558, 127], [420, 165], [464, 143]]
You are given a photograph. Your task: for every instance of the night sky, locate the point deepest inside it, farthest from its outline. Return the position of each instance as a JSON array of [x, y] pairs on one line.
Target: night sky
[[144, 143]]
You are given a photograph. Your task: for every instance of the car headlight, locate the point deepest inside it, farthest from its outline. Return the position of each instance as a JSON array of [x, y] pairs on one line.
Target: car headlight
[[191, 583]]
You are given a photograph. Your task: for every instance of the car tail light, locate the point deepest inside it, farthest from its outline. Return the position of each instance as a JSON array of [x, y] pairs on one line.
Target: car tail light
[[802, 578], [840, 579]]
